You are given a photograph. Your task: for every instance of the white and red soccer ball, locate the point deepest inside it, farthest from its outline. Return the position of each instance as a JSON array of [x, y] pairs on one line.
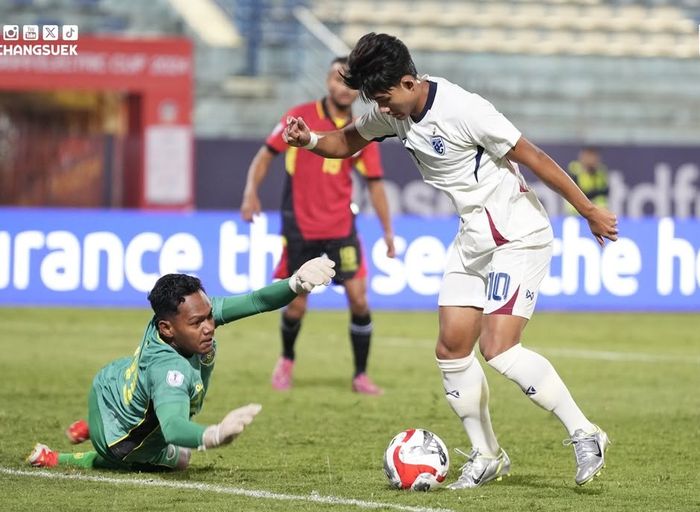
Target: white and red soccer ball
[[416, 459]]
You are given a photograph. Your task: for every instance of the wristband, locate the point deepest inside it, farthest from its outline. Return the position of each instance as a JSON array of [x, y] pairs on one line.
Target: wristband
[[295, 284], [213, 443], [312, 142]]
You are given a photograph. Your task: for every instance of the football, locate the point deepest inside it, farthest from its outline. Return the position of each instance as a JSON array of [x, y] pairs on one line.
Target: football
[[416, 459]]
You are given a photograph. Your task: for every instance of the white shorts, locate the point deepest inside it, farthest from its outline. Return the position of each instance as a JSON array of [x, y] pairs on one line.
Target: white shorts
[[504, 281]]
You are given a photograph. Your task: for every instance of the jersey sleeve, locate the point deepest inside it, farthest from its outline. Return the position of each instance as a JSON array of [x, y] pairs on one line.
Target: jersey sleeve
[[268, 298], [374, 125], [170, 381], [368, 161], [487, 127], [176, 426]]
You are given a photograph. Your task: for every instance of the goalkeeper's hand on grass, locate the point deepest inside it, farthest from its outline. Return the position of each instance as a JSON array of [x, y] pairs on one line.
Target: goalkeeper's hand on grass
[[230, 427], [315, 272]]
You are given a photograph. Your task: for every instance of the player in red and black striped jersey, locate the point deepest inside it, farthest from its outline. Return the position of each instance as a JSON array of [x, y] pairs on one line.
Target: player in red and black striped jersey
[[317, 219]]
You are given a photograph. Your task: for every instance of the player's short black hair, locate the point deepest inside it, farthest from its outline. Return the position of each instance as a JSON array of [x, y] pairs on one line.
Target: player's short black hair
[[343, 60], [377, 63], [170, 291]]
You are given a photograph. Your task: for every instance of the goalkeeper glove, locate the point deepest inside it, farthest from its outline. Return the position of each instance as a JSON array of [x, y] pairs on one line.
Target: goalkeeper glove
[[313, 273], [230, 427]]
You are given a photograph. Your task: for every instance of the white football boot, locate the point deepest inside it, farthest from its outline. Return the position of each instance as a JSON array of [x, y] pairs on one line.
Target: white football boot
[[479, 469], [589, 450]]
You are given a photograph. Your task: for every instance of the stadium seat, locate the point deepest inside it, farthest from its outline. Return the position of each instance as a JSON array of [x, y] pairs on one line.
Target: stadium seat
[[657, 45], [631, 17], [524, 42], [458, 14], [611, 46], [624, 43], [498, 13], [564, 17], [591, 43], [357, 12], [596, 17], [559, 42], [530, 15]]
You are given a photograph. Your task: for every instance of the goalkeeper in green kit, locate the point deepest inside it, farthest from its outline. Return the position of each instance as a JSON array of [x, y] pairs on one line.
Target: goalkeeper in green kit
[[140, 407]]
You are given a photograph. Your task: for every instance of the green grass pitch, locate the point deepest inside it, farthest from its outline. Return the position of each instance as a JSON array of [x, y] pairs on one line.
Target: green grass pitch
[[637, 375]]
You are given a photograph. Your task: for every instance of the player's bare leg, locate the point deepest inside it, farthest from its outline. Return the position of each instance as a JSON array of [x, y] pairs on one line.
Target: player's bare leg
[[290, 324], [467, 393], [360, 335], [500, 345]]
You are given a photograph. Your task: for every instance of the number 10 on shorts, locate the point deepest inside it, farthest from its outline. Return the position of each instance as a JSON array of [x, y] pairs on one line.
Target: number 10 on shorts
[[497, 286]]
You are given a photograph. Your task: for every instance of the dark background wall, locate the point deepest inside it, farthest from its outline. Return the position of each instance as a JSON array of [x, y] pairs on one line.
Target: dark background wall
[[644, 181]]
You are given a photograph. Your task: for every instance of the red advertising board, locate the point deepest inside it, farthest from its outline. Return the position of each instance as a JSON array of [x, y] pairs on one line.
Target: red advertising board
[[157, 75]]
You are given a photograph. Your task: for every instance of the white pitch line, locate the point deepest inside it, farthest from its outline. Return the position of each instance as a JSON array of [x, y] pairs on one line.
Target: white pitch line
[[574, 353], [221, 489]]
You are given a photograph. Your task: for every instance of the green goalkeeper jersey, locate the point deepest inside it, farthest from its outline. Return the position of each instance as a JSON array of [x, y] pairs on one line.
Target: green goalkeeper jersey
[[137, 394]]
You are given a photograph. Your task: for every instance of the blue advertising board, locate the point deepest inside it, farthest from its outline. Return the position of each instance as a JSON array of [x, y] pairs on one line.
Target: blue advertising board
[[113, 257]]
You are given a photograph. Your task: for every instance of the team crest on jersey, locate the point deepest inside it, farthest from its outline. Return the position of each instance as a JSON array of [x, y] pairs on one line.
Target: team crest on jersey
[[208, 358], [438, 145], [175, 378]]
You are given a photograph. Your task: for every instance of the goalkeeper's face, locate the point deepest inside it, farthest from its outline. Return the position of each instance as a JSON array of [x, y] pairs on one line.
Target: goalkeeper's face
[[191, 330]]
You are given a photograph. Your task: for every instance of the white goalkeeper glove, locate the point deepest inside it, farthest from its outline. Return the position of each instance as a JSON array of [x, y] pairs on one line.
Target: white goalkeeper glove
[[313, 273], [230, 427]]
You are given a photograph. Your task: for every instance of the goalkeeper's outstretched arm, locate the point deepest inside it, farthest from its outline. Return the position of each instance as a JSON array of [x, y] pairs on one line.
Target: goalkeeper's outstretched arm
[[179, 430], [315, 272]]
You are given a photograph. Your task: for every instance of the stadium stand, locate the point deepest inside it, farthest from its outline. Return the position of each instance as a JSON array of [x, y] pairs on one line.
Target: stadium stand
[[577, 69], [527, 28], [561, 69]]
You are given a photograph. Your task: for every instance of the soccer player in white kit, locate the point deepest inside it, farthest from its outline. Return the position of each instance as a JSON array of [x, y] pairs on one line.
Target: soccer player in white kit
[[463, 146]]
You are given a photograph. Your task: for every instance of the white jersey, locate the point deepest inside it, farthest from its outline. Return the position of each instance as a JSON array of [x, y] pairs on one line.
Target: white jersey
[[459, 143]]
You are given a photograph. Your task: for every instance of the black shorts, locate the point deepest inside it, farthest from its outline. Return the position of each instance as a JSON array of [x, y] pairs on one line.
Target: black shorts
[[345, 252]]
